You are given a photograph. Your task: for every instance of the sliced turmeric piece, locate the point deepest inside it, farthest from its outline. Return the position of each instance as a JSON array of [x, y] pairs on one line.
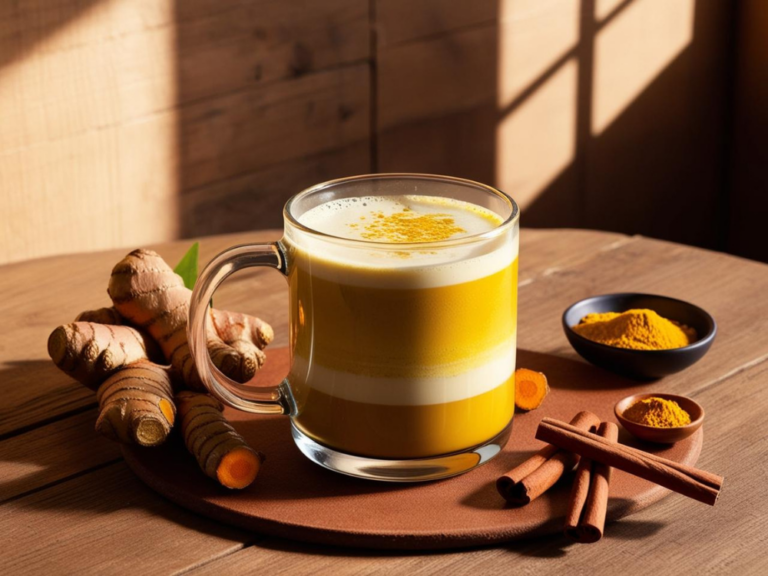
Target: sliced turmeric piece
[[530, 389]]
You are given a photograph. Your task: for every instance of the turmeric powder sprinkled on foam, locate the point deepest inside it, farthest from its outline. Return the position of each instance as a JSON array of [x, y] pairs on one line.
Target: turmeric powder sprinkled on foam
[[409, 226], [657, 412], [640, 329]]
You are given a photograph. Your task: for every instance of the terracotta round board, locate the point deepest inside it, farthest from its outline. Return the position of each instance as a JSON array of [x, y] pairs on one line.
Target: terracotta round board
[[294, 498]]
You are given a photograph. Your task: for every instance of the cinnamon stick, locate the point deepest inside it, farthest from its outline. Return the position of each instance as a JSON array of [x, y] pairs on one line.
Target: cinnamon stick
[[579, 492], [686, 480], [539, 473], [585, 519]]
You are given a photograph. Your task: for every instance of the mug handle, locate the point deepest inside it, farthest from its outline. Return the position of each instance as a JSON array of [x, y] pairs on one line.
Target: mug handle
[[262, 400]]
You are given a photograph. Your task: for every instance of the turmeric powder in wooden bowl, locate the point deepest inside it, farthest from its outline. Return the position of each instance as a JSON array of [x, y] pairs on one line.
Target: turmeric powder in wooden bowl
[[643, 336], [660, 418]]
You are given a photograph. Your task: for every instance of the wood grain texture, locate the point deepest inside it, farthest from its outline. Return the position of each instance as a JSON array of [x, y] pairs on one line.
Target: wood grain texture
[[247, 131], [55, 528], [51, 453], [401, 21], [226, 46], [436, 96], [77, 78], [125, 121], [544, 252], [112, 109], [256, 200], [103, 523], [436, 77]]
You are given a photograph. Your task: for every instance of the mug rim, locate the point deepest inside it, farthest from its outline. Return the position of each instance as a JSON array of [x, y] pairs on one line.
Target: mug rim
[[513, 217]]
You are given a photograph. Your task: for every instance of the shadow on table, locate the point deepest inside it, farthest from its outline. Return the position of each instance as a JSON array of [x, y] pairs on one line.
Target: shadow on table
[[107, 496], [25, 406], [52, 397], [573, 374]]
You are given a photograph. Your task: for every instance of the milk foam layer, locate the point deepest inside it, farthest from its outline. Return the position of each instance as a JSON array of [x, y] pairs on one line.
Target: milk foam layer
[[352, 217], [393, 265]]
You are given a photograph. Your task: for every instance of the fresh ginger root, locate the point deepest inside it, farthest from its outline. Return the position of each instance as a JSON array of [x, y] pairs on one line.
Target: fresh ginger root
[[108, 350], [91, 352], [219, 450], [136, 405], [530, 389], [148, 294]]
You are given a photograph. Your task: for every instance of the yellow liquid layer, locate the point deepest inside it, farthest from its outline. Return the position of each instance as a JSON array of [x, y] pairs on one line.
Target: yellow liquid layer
[[381, 431], [401, 333]]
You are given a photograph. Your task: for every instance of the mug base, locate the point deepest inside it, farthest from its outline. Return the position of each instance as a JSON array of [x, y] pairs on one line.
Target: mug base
[[403, 470]]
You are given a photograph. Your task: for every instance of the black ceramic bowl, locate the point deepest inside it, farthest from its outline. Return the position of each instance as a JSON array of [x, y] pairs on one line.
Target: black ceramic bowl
[[641, 364]]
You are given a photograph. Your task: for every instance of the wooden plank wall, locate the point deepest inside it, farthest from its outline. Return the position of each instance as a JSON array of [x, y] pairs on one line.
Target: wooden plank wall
[[124, 122]]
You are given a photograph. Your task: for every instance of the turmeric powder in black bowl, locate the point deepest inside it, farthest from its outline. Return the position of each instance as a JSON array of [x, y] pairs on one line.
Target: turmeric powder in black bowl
[[643, 336]]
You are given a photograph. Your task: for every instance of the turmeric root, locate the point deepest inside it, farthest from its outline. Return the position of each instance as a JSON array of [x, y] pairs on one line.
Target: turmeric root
[[136, 405], [91, 352], [219, 450], [148, 294], [530, 389]]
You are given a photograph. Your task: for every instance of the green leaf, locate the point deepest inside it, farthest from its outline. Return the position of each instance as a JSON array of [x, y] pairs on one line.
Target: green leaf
[[187, 266]]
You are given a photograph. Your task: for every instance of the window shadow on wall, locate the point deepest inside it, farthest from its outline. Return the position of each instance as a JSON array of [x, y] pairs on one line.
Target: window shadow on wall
[[649, 151]]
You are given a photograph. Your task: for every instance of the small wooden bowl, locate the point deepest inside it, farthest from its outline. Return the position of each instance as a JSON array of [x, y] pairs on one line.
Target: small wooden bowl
[[661, 435]]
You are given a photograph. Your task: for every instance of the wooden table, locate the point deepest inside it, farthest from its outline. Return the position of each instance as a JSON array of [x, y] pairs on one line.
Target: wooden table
[[71, 505]]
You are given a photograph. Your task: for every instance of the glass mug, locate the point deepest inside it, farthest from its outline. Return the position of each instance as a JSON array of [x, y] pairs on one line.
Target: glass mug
[[402, 354]]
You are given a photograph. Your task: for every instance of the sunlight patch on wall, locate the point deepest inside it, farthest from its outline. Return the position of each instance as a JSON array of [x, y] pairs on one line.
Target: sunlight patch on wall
[[84, 89], [537, 140], [604, 7], [533, 36], [536, 132], [633, 49]]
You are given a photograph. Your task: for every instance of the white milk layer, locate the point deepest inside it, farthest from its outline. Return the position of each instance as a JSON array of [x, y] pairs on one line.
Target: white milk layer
[[410, 391], [426, 265]]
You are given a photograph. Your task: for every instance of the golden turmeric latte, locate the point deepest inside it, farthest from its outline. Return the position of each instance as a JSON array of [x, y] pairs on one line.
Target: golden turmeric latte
[[639, 329], [403, 353], [657, 412]]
